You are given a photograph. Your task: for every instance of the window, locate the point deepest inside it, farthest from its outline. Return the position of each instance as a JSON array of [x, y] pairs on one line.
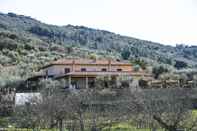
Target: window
[[83, 69], [119, 69], [104, 69], [66, 70]]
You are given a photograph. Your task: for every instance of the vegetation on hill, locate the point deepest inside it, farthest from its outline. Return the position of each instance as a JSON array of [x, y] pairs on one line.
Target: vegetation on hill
[[27, 44]]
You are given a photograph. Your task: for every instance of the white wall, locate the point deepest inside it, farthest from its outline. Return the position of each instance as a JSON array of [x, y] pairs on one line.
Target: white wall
[[22, 98]]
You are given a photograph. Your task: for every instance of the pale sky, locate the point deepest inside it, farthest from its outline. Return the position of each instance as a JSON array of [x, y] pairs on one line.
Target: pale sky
[[164, 21]]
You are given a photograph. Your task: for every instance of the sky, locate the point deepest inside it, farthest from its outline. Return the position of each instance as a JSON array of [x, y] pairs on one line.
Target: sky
[[168, 22]]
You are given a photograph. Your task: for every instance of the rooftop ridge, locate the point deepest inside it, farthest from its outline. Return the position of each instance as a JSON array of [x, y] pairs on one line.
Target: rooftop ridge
[[88, 61]]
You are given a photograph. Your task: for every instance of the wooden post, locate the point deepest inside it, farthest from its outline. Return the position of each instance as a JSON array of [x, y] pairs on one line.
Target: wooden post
[[69, 81], [109, 65], [64, 82], [117, 82]]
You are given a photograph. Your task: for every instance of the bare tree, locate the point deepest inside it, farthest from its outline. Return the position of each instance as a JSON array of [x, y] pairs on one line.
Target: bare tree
[[104, 104], [47, 111], [76, 107], [104, 100], [170, 108], [53, 105]]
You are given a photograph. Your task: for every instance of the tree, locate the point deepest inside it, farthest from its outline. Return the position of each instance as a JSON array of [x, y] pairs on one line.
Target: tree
[[125, 53], [157, 71], [47, 111], [180, 64], [75, 103], [53, 104], [136, 68], [169, 108], [139, 62], [143, 83]]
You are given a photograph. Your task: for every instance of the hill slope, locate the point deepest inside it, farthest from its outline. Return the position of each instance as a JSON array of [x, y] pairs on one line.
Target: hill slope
[[28, 42]]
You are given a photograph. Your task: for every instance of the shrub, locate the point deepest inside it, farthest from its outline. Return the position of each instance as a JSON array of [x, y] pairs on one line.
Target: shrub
[[143, 83], [180, 64], [8, 44], [157, 71]]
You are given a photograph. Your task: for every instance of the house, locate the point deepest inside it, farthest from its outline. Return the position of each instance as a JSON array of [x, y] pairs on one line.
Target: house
[[81, 73]]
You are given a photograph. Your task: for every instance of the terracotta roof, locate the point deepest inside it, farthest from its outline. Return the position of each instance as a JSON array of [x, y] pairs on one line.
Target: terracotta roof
[[87, 61]]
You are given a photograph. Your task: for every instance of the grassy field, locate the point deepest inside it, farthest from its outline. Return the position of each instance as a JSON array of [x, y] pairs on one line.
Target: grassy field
[[26, 129], [127, 127], [117, 127]]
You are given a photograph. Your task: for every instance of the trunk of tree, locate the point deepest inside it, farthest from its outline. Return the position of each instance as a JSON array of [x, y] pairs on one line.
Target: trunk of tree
[[81, 125], [94, 128], [110, 126], [73, 125], [164, 125], [60, 125], [172, 128], [81, 122], [52, 123], [153, 129]]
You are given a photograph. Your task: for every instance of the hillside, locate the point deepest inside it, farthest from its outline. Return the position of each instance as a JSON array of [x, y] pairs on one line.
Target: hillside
[[28, 44]]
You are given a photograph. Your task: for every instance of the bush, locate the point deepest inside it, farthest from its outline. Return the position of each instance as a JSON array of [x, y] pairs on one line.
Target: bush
[[125, 54], [180, 64], [143, 83], [4, 122], [8, 44], [139, 62], [157, 71], [136, 68], [4, 60]]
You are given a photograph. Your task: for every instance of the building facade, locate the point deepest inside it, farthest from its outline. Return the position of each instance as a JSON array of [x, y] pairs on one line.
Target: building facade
[[81, 73]]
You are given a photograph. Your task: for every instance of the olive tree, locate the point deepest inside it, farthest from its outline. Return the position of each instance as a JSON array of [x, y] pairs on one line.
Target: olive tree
[[169, 108]]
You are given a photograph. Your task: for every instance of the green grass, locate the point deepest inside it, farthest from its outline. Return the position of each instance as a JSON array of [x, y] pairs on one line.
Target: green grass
[[117, 127], [127, 127], [194, 112], [28, 129]]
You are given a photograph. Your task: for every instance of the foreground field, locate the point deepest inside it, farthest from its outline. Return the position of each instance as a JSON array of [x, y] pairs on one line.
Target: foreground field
[[127, 127], [116, 127]]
